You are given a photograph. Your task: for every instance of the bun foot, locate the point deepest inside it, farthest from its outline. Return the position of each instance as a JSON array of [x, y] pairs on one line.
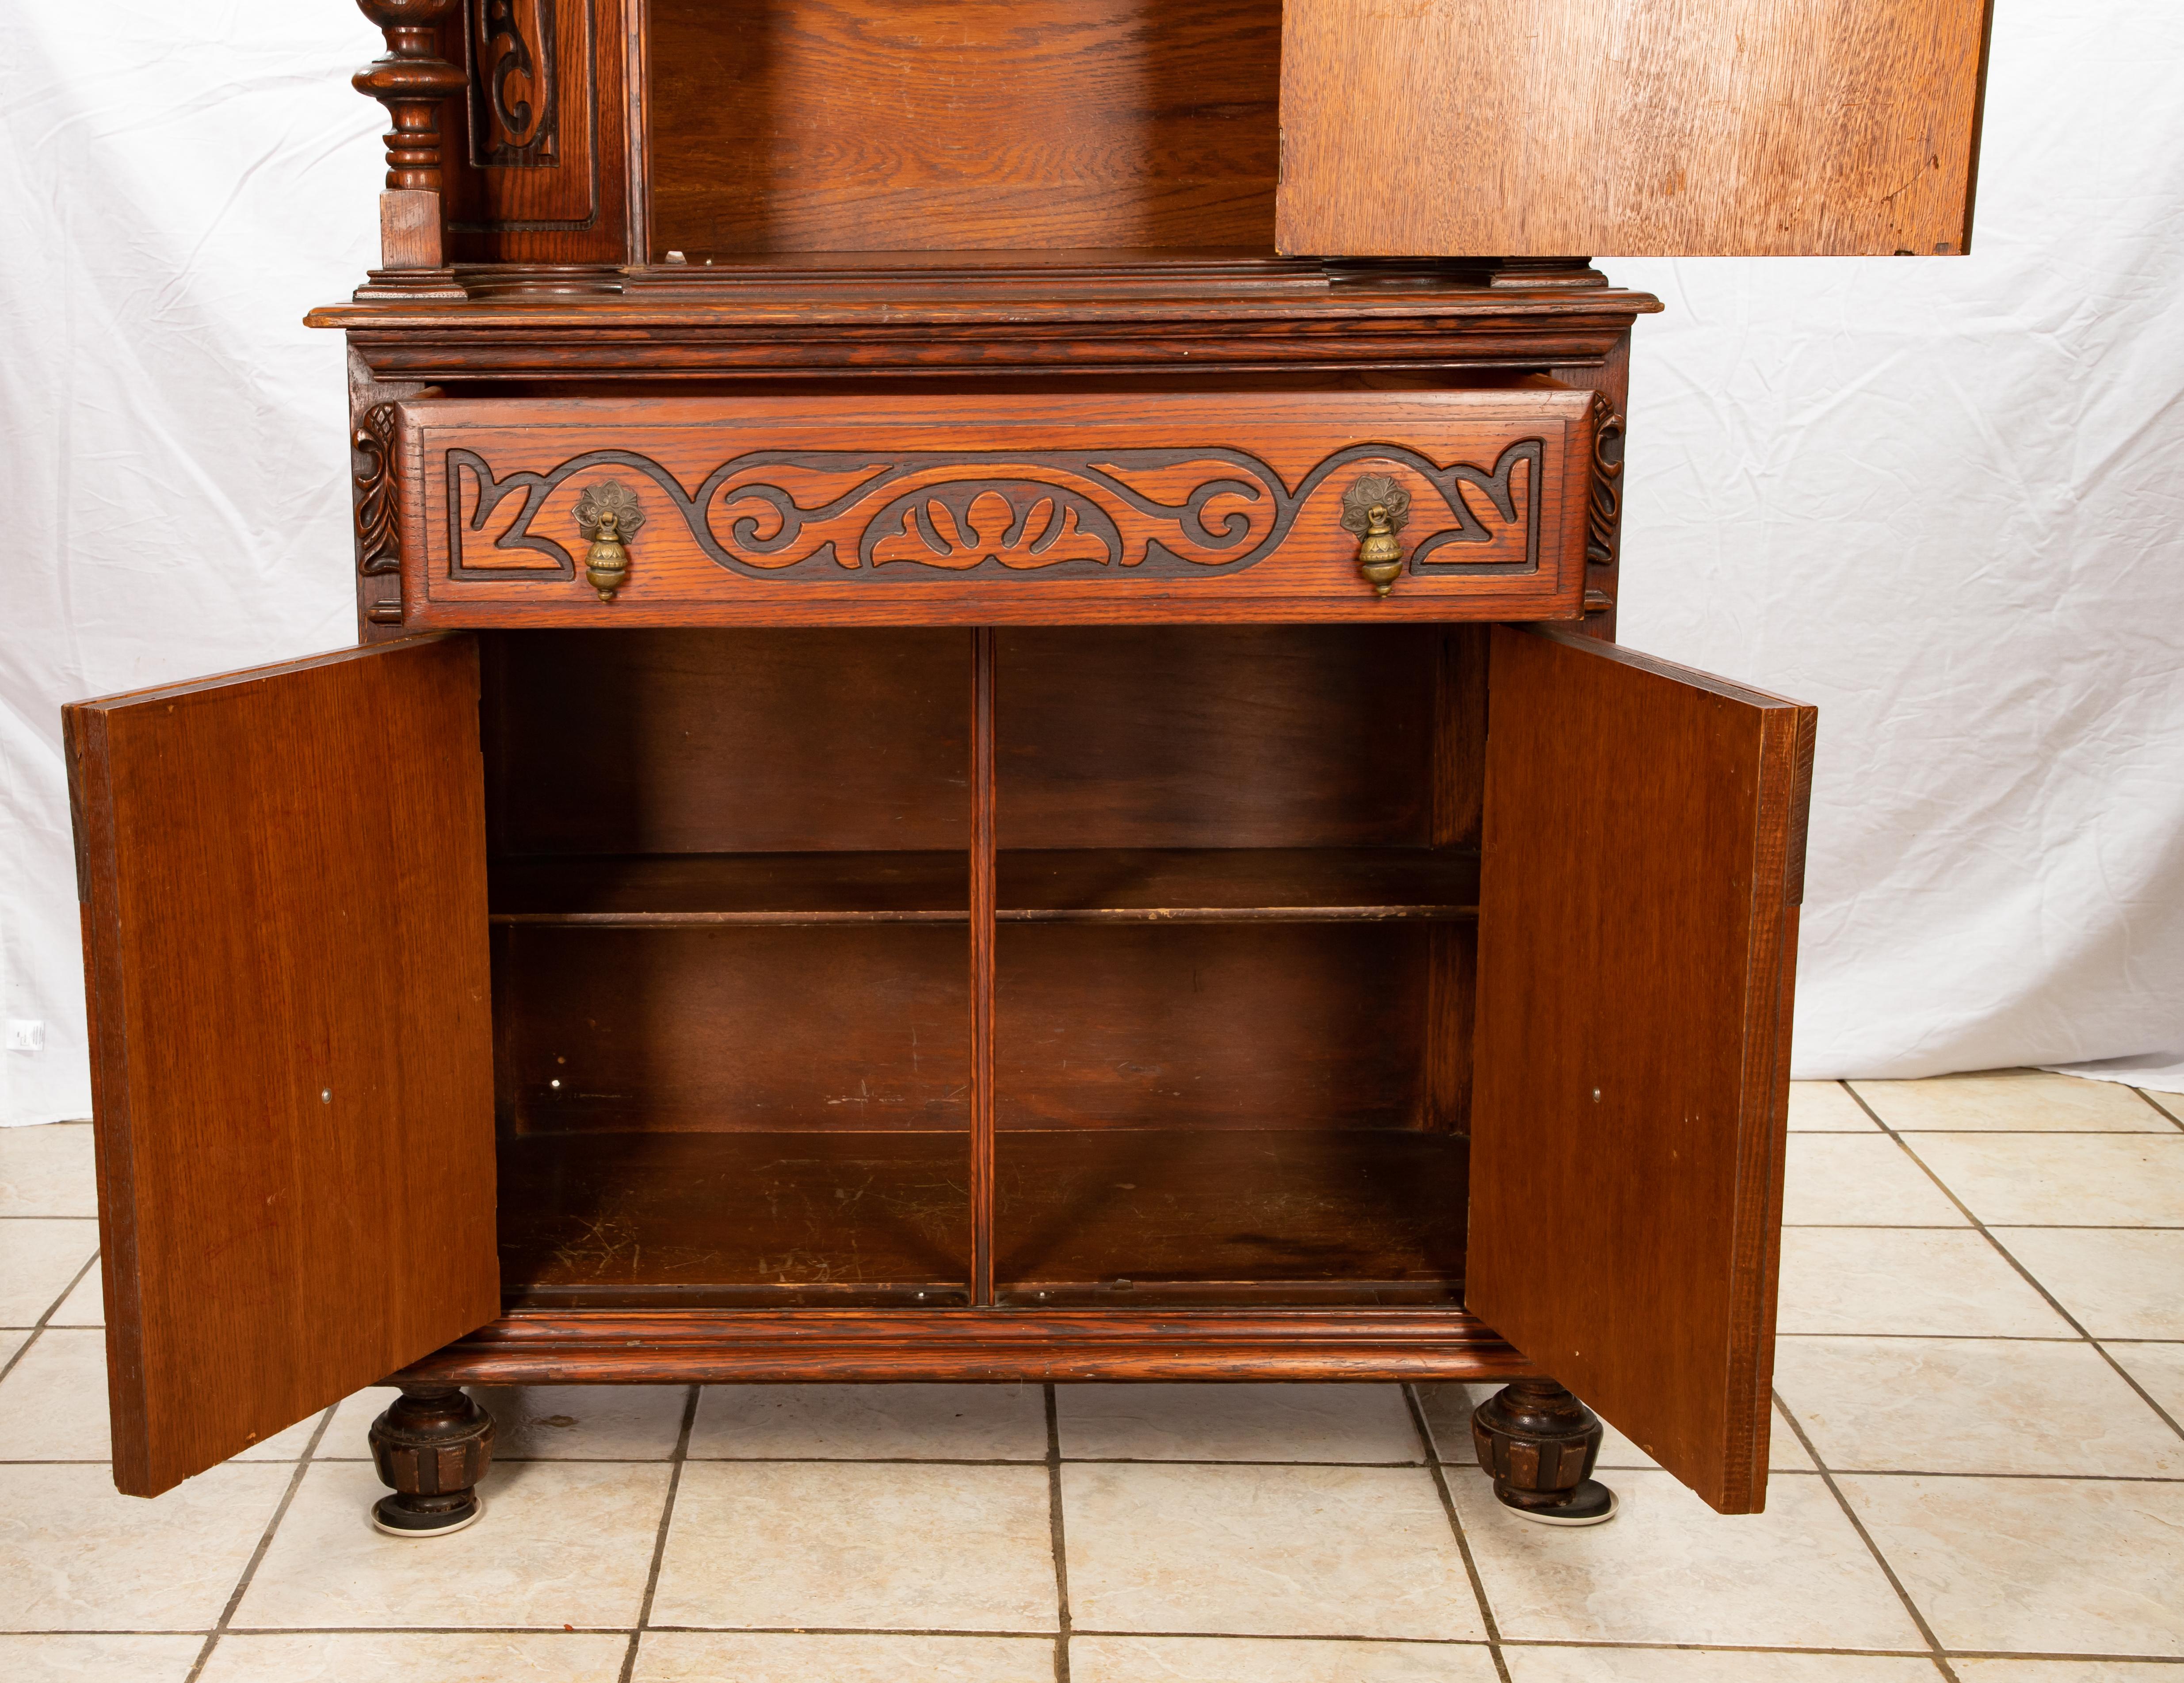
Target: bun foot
[[1538, 1443], [432, 1445]]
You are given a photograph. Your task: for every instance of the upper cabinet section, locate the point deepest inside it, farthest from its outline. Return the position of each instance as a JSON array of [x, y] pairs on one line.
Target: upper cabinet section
[[900, 125], [1631, 128]]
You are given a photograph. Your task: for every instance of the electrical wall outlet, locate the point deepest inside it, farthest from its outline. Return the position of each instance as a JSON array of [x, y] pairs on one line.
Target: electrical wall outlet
[[24, 1035]]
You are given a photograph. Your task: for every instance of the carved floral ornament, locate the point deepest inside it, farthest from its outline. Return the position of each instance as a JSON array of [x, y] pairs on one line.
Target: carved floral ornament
[[873, 516]]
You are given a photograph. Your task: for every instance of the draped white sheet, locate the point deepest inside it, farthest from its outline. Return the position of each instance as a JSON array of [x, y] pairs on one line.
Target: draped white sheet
[[1937, 497]]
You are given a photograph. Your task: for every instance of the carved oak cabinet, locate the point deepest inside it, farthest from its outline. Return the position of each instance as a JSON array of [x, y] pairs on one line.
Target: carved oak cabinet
[[986, 743]]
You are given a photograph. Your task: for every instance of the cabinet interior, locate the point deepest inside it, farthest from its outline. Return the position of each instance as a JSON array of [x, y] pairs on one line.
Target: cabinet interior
[[731, 933], [1021, 126]]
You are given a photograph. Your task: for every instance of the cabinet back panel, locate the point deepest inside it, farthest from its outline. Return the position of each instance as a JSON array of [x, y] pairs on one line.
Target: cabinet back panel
[[833, 1028], [801, 125], [1216, 736], [704, 741], [1208, 1026]]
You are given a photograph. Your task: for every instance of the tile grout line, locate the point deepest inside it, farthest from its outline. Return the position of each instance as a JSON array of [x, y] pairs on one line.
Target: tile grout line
[[2023, 1273], [1057, 1536], [2160, 1109], [265, 1543], [675, 1463], [1939, 1655], [52, 1309], [1431, 1449]]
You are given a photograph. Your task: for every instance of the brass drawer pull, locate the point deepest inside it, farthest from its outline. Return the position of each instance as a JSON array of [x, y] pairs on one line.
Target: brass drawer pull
[[607, 513], [1375, 507]]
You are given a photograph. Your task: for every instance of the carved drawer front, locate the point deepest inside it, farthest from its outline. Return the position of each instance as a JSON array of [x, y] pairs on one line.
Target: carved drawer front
[[852, 507]]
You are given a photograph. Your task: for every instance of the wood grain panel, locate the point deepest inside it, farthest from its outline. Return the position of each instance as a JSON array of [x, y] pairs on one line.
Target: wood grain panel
[[718, 741], [1637, 935], [1007, 508], [1196, 1025], [783, 125], [837, 1027], [1227, 737], [283, 875], [1629, 127]]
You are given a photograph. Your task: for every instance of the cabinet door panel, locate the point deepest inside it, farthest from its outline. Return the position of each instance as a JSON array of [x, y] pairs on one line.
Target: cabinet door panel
[[1629, 128], [283, 883], [1641, 868]]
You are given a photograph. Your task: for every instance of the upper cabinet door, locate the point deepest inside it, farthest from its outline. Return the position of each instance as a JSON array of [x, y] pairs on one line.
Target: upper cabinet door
[[1641, 868], [283, 883], [1633, 128]]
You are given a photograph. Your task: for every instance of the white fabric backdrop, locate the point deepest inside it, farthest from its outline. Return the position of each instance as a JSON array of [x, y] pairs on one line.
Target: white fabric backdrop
[[1937, 498]]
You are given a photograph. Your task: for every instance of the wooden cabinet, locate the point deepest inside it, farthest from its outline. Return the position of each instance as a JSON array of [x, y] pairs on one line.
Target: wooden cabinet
[[958, 771]]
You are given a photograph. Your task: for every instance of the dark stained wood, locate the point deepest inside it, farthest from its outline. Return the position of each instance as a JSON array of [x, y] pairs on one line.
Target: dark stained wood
[[1459, 804], [704, 741], [1707, 128], [1208, 1025], [1216, 737], [1009, 508], [1603, 552], [944, 329], [797, 126], [621, 1221], [1101, 1215], [1057, 885], [836, 1028], [983, 895], [544, 175], [1637, 937], [283, 875], [990, 1346], [613, 1220], [434, 1445]]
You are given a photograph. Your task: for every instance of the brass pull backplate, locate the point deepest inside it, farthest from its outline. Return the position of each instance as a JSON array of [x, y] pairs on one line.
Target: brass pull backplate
[[608, 513], [1375, 507]]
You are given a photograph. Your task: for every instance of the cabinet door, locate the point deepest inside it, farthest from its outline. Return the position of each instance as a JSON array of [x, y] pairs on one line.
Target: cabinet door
[[1629, 128], [1640, 868], [283, 883]]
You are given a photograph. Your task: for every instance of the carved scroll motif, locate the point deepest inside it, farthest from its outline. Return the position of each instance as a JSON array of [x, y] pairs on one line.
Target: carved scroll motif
[[1602, 528], [872, 516], [515, 84], [378, 506]]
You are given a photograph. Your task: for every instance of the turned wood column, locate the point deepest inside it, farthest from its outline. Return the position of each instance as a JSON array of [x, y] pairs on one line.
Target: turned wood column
[[432, 1445], [1538, 1443], [413, 81]]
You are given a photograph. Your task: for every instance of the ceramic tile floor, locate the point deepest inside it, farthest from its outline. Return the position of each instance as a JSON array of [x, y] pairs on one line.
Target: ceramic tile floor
[[1979, 1474]]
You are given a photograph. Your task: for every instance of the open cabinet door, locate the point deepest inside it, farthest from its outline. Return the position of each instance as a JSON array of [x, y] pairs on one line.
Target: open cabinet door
[[1640, 868], [283, 883], [1629, 128]]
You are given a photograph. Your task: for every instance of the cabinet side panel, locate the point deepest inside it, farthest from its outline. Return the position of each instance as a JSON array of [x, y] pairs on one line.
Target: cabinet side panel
[[1632, 128], [1636, 939], [284, 887]]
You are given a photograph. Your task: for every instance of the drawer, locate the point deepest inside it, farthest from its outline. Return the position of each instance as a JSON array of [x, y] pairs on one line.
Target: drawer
[[848, 508]]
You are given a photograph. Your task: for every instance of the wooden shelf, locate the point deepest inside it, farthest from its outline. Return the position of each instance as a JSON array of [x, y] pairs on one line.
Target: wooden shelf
[[1042, 886], [1094, 1216]]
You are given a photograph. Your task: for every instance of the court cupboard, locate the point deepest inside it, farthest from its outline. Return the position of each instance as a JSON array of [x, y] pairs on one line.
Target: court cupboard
[[987, 741]]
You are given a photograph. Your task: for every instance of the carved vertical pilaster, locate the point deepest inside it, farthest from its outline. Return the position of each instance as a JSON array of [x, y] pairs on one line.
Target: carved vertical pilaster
[[413, 81], [376, 488]]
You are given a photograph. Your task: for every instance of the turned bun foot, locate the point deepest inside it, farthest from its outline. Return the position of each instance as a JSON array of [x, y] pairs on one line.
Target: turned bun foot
[[432, 1445], [1538, 1443]]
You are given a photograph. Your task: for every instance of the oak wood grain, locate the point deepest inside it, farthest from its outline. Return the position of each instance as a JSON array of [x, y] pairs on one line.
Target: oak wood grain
[[869, 125], [1629, 127], [1636, 935], [1001, 509], [283, 874]]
